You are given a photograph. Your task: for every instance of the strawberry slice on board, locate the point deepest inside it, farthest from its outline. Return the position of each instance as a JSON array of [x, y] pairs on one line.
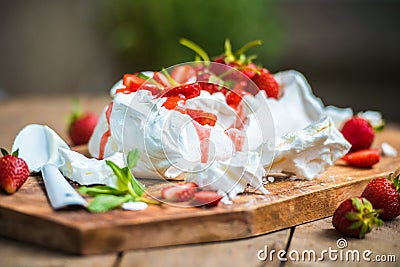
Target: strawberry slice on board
[[364, 158], [179, 192], [207, 198]]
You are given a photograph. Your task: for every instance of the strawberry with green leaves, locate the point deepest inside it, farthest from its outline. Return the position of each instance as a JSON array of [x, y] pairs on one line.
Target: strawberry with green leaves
[[239, 61], [384, 193], [355, 217], [13, 171]]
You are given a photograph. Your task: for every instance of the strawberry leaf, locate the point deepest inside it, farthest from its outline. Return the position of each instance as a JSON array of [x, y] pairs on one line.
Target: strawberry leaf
[[357, 203], [352, 216], [16, 153], [4, 151], [367, 205], [355, 225], [364, 229]]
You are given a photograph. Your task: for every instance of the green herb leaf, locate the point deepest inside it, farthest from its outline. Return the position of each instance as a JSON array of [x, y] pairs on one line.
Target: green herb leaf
[[137, 187], [122, 181], [99, 190], [132, 159], [102, 203]]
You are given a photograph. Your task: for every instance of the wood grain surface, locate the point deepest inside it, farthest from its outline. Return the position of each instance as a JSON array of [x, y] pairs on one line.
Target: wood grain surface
[[27, 215]]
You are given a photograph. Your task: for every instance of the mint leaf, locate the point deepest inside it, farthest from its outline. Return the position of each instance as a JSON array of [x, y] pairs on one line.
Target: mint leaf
[[122, 180], [102, 203], [100, 189], [132, 159], [137, 187]]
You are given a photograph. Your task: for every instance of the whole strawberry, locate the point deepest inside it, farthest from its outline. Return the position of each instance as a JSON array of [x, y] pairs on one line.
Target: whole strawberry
[[359, 132], [81, 126], [265, 81], [383, 193], [13, 171], [355, 217]]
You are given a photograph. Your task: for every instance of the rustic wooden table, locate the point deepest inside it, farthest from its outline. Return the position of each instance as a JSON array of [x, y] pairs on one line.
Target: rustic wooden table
[[381, 247]]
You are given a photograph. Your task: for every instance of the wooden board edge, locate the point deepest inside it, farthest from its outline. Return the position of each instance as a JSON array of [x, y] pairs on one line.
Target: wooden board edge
[[14, 225], [265, 219]]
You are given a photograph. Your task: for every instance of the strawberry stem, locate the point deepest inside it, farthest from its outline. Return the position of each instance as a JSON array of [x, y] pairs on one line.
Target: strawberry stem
[[191, 45], [247, 46], [169, 78]]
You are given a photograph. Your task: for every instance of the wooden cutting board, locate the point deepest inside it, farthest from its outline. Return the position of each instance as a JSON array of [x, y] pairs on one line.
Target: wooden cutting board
[[27, 215]]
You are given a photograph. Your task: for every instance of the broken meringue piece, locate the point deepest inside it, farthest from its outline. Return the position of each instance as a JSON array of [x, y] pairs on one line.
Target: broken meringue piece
[[309, 152]]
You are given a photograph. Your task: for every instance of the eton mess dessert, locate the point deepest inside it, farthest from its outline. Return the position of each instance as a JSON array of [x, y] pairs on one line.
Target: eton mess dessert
[[221, 124]]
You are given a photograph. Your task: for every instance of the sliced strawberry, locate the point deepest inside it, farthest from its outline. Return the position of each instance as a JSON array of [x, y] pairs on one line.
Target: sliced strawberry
[[161, 79], [363, 158], [234, 97], [132, 81], [207, 198], [179, 192], [183, 73], [187, 91], [172, 102], [212, 87], [202, 117]]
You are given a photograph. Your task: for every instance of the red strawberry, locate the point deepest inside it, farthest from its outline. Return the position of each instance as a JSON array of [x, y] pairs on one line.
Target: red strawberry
[[383, 193], [212, 87], [81, 125], [363, 158], [13, 172], [202, 117], [359, 132], [207, 198], [132, 81], [355, 217], [265, 81], [235, 96], [179, 192], [172, 102], [185, 90], [250, 70]]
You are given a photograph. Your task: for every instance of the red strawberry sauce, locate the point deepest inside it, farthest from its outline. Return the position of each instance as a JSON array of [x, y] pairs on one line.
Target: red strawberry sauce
[[107, 134]]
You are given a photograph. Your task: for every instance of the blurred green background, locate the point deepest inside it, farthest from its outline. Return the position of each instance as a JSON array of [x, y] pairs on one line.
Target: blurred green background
[[347, 49]]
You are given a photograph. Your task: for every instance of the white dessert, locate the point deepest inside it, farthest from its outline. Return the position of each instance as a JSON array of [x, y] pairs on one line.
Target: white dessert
[[308, 153], [170, 145], [87, 171]]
